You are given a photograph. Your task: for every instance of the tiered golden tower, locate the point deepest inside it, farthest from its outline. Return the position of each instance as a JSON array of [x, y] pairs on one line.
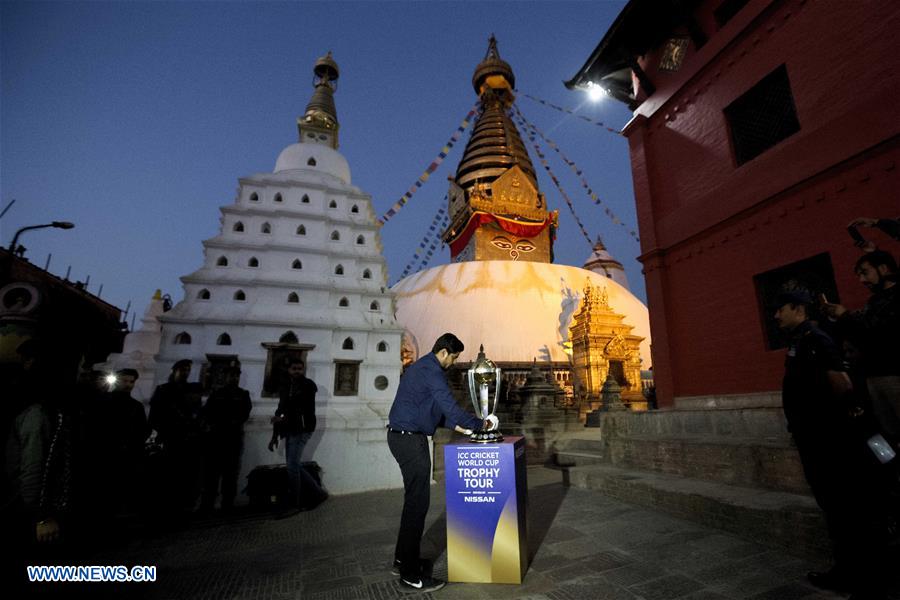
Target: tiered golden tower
[[603, 344], [320, 123], [496, 210]]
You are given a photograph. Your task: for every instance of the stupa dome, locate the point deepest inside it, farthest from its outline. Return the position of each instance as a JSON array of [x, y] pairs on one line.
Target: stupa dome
[[518, 310], [313, 157]]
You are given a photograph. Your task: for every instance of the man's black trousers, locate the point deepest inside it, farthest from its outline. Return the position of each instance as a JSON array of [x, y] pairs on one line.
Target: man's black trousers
[[844, 480], [411, 453]]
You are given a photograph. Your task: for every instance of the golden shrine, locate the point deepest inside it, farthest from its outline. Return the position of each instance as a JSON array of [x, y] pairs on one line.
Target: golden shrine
[[603, 344], [496, 210]]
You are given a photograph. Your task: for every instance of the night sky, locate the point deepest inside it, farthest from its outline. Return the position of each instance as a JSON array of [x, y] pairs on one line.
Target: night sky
[[134, 120]]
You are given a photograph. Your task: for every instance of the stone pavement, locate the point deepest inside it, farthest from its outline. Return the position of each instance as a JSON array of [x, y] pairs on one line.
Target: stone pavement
[[584, 544]]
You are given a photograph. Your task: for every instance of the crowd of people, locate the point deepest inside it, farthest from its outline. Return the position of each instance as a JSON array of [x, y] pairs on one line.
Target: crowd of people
[[82, 464], [841, 398], [200, 444], [74, 457]]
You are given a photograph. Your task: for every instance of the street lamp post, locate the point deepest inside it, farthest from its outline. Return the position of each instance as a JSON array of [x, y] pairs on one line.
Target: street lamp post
[[57, 224]]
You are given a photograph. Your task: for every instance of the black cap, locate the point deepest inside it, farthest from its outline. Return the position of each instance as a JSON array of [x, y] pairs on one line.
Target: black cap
[[184, 362], [793, 297], [29, 348]]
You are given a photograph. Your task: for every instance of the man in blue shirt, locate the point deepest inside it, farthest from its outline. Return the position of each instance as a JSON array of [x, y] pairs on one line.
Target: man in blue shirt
[[423, 400]]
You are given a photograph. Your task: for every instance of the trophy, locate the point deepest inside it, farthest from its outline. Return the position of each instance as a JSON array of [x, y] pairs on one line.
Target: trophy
[[482, 374]]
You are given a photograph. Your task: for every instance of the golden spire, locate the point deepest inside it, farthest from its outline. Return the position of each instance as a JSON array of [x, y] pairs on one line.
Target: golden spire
[[496, 180], [494, 67], [495, 145], [321, 115]]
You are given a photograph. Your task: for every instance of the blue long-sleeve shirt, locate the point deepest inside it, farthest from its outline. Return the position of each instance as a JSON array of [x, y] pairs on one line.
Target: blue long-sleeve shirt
[[423, 398]]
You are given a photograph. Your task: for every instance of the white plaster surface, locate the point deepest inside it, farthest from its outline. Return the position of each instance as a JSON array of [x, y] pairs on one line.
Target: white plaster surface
[[297, 157], [516, 309], [350, 443], [139, 352]]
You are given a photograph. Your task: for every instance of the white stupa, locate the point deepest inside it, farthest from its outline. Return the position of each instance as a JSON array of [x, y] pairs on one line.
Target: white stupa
[[602, 263], [501, 289], [297, 269], [139, 351]]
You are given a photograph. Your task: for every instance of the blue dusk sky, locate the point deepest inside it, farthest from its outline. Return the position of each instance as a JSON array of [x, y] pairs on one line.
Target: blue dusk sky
[[134, 120]]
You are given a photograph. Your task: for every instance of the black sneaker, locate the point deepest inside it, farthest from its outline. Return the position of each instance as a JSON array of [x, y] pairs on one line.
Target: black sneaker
[[421, 585], [288, 512], [319, 500], [424, 566], [830, 580]]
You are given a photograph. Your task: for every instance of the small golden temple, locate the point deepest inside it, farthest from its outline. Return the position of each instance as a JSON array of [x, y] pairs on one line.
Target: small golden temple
[[602, 344]]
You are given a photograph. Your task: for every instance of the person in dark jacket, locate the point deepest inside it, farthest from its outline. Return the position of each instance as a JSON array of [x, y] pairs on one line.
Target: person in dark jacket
[[423, 401], [133, 429], [295, 422], [819, 406], [175, 415], [129, 431], [224, 415], [876, 330], [25, 433]]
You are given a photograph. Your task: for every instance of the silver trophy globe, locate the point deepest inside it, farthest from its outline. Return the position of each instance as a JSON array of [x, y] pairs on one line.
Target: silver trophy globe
[[484, 375]]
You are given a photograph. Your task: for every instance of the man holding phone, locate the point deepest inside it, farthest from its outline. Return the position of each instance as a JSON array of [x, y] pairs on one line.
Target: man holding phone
[[876, 330]]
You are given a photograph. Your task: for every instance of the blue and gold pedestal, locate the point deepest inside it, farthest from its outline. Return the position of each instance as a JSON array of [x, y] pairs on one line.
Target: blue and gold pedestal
[[486, 502]]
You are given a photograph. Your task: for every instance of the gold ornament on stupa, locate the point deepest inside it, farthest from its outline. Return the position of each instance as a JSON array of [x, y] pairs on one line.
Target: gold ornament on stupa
[[319, 123], [496, 210]]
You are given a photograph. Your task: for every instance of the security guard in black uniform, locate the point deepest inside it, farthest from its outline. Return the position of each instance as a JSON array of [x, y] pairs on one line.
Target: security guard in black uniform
[[816, 396]]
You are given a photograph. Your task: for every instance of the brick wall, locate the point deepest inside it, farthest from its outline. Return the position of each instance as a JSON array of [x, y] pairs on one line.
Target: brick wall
[[708, 226]]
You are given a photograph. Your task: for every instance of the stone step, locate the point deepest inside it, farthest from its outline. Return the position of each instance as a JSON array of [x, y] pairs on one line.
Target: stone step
[[587, 440], [540, 438], [517, 426], [771, 463], [793, 521], [540, 443], [556, 430], [574, 458], [764, 463], [762, 423]]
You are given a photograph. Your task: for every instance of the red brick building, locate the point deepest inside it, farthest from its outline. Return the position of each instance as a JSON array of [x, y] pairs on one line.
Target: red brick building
[[760, 129], [74, 326]]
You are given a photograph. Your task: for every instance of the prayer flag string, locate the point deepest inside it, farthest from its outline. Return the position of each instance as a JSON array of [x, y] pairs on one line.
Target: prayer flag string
[[571, 112], [445, 221], [431, 168], [429, 240], [530, 127], [543, 159]]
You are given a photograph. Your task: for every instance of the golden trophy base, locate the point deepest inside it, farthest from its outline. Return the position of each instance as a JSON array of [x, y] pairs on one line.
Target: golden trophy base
[[486, 437]]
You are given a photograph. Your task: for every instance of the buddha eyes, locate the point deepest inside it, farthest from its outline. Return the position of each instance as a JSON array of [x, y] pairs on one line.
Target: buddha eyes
[[505, 244], [502, 243]]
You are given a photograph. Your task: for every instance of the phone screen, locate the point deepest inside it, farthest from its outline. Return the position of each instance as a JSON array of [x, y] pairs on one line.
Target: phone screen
[[856, 235]]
